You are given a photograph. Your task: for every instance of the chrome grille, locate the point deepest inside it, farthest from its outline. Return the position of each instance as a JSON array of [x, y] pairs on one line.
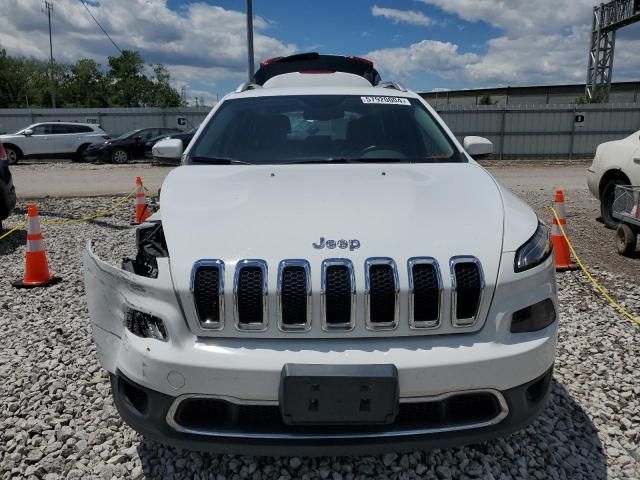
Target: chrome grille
[[207, 287], [467, 286], [425, 292], [338, 294], [250, 293], [294, 295], [382, 294]]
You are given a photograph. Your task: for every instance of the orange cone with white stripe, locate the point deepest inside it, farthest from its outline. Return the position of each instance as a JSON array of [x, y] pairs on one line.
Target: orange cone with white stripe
[[562, 254], [36, 272], [141, 204]]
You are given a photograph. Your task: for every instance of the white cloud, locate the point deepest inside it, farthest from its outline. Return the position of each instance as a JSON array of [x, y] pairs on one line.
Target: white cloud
[[198, 42], [541, 43], [411, 17]]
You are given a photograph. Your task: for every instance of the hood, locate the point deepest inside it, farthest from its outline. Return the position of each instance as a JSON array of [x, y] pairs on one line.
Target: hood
[[276, 212]]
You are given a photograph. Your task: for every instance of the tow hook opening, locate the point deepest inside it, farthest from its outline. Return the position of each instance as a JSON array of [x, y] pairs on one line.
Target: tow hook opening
[[151, 245], [134, 396]]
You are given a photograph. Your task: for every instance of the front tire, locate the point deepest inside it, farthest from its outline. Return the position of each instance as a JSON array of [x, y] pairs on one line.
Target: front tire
[[607, 198], [13, 155], [626, 240], [119, 156]]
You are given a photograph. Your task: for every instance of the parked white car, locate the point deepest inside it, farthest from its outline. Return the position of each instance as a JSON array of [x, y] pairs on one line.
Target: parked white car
[[330, 273], [615, 163], [52, 140]]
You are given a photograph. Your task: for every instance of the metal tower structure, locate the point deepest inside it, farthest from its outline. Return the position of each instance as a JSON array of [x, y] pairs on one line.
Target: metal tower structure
[[607, 19]]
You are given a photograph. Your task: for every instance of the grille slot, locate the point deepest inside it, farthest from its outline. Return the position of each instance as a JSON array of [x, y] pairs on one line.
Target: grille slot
[[338, 295], [250, 293], [425, 290], [294, 295], [207, 286], [382, 294], [468, 285]]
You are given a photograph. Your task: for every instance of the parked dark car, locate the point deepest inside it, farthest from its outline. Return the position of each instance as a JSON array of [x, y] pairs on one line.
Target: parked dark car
[[186, 138], [125, 147], [7, 190]]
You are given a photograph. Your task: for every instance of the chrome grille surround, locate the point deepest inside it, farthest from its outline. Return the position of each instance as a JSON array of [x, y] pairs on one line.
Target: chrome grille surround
[[215, 263], [393, 324], [413, 323], [299, 327], [326, 326], [464, 322], [254, 326]]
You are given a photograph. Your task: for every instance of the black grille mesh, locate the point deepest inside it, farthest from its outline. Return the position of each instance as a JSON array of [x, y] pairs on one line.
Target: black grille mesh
[[250, 295], [293, 295], [426, 294], [205, 293], [468, 286], [382, 294], [338, 294]]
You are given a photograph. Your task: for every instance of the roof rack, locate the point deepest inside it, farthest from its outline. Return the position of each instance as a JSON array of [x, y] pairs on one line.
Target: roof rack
[[394, 85], [243, 87]]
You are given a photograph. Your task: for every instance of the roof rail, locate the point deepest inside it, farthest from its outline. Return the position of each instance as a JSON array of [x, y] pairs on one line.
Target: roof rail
[[394, 85], [243, 87]]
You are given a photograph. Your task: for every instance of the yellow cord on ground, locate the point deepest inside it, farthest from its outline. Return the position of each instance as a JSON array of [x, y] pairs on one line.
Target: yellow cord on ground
[[17, 227], [100, 213], [595, 283]]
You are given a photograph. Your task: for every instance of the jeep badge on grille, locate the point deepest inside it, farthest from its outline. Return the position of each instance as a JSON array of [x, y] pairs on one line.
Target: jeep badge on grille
[[342, 243]]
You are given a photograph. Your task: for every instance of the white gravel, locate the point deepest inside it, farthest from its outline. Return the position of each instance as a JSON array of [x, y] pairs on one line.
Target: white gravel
[[57, 419]]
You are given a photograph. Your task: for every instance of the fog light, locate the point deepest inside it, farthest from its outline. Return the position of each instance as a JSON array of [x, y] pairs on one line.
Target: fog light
[[533, 318], [146, 326]]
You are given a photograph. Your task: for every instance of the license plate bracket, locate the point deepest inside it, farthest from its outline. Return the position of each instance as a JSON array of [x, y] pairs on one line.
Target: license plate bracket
[[339, 394]]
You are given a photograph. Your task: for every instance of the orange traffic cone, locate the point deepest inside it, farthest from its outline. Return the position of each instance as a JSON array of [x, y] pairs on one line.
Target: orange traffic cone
[[562, 254], [36, 272], [141, 204]]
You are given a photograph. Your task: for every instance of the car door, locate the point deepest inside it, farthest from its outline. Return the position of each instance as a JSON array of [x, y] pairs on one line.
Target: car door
[[137, 149], [42, 141], [64, 138]]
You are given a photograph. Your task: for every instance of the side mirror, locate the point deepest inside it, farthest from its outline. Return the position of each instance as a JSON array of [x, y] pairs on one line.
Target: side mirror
[[477, 146], [171, 148], [27, 132]]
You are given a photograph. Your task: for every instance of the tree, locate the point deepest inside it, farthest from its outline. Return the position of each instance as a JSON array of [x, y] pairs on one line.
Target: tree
[[85, 86], [23, 82], [163, 94], [128, 85]]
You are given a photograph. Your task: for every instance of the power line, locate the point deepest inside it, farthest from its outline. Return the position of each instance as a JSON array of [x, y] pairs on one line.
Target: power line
[[101, 28]]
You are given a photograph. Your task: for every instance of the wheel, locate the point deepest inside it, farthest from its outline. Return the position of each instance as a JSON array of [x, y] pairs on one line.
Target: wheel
[[607, 198], [81, 154], [119, 156], [625, 240], [13, 155]]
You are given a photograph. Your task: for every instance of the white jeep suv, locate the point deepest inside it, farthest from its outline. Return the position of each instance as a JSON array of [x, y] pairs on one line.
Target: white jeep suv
[[52, 140], [330, 272]]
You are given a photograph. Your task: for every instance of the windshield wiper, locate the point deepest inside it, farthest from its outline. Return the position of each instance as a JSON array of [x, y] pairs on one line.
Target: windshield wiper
[[323, 160], [219, 161]]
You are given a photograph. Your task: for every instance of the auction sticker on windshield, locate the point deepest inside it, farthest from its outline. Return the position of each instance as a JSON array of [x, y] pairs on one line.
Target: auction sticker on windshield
[[386, 100]]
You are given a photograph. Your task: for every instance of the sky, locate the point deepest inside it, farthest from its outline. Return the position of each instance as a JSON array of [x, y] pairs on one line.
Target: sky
[[426, 44]]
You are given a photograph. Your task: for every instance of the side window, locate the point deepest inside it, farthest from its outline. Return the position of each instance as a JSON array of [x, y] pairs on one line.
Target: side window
[[78, 129], [148, 134], [42, 130], [60, 129]]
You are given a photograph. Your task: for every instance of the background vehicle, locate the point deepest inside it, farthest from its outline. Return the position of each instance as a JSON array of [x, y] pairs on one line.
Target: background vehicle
[[186, 138], [7, 190], [126, 147], [52, 140], [615, 163], [330, 273]]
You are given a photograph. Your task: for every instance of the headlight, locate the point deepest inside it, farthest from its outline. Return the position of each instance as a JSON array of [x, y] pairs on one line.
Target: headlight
[[535, 251]]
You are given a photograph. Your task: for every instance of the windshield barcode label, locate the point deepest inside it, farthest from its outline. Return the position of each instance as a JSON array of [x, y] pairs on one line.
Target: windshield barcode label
[[386, 100]]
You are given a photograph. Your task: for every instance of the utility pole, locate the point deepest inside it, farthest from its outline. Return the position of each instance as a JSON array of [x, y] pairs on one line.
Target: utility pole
[[250, 38], [48, 6]]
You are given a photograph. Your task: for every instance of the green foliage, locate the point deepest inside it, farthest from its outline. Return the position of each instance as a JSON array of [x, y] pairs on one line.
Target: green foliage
[[485, 100], [598, 97], [25, 82]]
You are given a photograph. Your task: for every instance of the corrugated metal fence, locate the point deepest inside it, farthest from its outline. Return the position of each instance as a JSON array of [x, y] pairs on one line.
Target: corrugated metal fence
[[517, 131], [544, 131]]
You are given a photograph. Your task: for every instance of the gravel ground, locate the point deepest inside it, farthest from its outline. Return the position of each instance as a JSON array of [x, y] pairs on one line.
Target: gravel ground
[[57, 419]]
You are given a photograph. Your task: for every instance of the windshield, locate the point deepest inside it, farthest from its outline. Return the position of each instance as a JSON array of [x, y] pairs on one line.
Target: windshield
[[323, 128]]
